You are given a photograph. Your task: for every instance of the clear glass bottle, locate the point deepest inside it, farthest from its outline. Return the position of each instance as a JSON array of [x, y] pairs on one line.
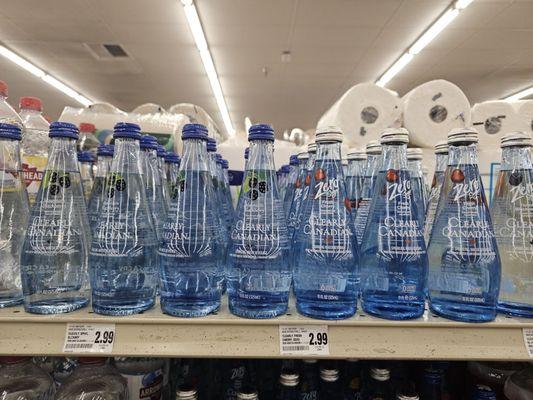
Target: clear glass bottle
[[258, 273], [512, 215], [97, 197], [247, 393], [54, 254], [379, 386], [21, 379], [325, 258], [161, 164], [228, 213], [352, 380], [186, 392], [93, 379], [14, 211], [191, 250], [373, 162], [297, 192], [414, 163], [394, 263], [283, 180], [464, 264], [35, 144], [144, 376], [291, 181], [354, 179], [86, 161], [441, 161], [482, 392], [173, 161], [123, 260], [289, 381], [330, 384], [88, 140]]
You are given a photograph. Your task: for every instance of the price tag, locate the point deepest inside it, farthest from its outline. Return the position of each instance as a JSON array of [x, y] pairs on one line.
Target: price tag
[[528, 340], [89, 338], [304, 340]]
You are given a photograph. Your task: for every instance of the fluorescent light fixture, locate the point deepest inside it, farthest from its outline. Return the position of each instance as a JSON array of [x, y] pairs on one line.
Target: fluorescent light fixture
[[394, 69], [520, 95], [28, 66], [462, 4], [201, 43]]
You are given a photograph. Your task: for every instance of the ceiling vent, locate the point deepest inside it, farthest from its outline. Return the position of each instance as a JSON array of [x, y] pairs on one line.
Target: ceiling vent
[[106, 51]]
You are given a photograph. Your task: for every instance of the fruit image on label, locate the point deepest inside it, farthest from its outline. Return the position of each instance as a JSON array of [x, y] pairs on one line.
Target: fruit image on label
[[457, 176]]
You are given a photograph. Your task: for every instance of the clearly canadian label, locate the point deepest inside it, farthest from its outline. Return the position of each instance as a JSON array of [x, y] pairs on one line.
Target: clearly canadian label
[[33, 172]]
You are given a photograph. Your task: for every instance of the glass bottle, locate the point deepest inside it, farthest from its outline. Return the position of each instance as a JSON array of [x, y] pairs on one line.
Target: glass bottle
[[283, 180], [289, 381], [123, 260], [86, 161], [21, 379], [325, 258], [173, 161], [519, 386], [352, 380], [54, 254], [161, 165], [227, 186], [512, 215], [330, 384], [482, 392], [258, 273], [14, 211], [373, 162], [393, 252], [414, 164], [96, 199], [379, 385], [186, 392], [144, 376], [88, 140], [7, 113], [294, 163], [247, 393], [441, 161], [310, 380], [225, 195], [464, 264], [354, 179], [297, 191]]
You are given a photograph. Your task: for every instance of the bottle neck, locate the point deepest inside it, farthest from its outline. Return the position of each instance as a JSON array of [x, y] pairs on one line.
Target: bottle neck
[[194, 156], [329, 151], [126, 158], [311, 161], [516, 158], [356, 167], [441, 160], [31, 112], [212, 163], [102, 166], [10, 155], [394, 156], [372, 164], [463, 154], [261, 155], [63, 155], [415, 168]]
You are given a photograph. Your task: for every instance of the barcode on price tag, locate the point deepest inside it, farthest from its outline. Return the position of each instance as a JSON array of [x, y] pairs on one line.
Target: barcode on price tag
[[528, 340], [303, 340], [89, 338]]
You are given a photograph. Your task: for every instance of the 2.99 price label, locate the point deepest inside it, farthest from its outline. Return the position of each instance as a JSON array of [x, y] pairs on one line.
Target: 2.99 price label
[[89, 338], [303, 340]]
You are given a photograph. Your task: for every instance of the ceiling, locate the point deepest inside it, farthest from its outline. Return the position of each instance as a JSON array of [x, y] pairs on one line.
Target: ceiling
[[334, 44]]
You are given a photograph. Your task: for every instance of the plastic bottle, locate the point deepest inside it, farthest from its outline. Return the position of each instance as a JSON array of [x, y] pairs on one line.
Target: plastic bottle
[[14, 211], [186, 392], [379, 385], [144, 376], [329, 383], [512, 214], [21, 379], [309, 380], [97, 196], [291, 181], [519, 386], [258, 273], [393, 252], [464, 264], [86, 161], [191, 250], [354, 178], [123, 260], [441, 161], [414, 163], [161, 164], [54, 254], [289, 381], [93, 379], [373, 162], [7, 114], [325, 258], [35, 144], [88, 141]]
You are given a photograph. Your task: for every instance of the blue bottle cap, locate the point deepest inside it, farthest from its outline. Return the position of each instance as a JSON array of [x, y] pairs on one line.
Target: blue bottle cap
[[105, 150], [148, 142], [211, 144], [161, 151], [172, 158], [285, 169], [127, 130], [246, 153], [293, 160], [261, 132], [194, 131], [85, 156], [63, 129], [225, 164], [10, 131]]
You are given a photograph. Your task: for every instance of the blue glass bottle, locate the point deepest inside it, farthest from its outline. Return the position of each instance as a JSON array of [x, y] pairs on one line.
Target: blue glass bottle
[[464, 264], [258, 273], [283, 180], [512, 215], [379, 385], [373, 154], [191, 252], [96, 199], [297, 190], [173, 162], [54, 254], [393, 252], [227, 186], [14, 209], [414, 163], [123, 259], [162, 177], [228, 213], [325, 257], [289, 381], [86, 160], [441, 161], [291, 181], [354, 177]]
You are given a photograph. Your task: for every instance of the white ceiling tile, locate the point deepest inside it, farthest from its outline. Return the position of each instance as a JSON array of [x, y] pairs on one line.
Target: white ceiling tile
[[245, 12], [337, 36]]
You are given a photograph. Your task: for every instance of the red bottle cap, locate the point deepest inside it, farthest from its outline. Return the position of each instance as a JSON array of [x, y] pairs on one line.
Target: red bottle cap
[[3, 89], [31, 103], [86, 127]]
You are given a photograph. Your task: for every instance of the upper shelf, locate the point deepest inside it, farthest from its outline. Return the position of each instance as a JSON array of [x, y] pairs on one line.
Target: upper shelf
[[224, 335]]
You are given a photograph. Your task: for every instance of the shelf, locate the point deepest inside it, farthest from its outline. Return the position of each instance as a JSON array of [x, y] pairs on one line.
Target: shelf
[[224, 335]]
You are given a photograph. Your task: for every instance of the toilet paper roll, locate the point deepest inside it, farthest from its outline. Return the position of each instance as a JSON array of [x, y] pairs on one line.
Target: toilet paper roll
[[363, 112], [524, 111], [493, 119], [432, 109]]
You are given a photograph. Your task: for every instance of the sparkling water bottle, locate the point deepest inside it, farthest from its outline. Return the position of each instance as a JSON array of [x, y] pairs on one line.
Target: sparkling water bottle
[[297, 191], [330, 387], [441, 161], [291, 181], [94, 379], [123, 259], [354, 178], [288, 385], [86, 161], [97, 197], [173, 162], [464, 264], [191, 251], [144, 376], [325, 258], [228, 213], [153, 182], [414, 163], [283, 180], [258, 273], [379, 385], [13, 214], [373, 162], [54, 254], [512, 215], [21, 379], [309, 380], [161, 165], [186, 392], [352, 380], [393, 252]]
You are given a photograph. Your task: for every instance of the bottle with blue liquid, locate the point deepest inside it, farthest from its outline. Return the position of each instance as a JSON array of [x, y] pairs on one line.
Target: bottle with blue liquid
[[228, 213], [512, 215], [483, 392], [173, 163], [325, 257], [104, 153], [258, 274], [54, 254], [373, 154], [227, 186], [297, 189], [283, 180], [86, 161], [464, 264], [441, 161], [393, 252], [291, 181], [414, 163], [14, 209], [123, 258], [354, 178], [191, 252], [162, 176]]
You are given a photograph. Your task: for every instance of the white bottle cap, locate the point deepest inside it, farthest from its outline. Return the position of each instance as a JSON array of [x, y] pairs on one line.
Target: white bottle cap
[[356, 154], [414, 153], [441, 147], [380, 374], [328, 134], [373, 147], [516, 139], [329, 375], [303, 155], [398, 135], [468, 135], [289, 378], [311, 147]]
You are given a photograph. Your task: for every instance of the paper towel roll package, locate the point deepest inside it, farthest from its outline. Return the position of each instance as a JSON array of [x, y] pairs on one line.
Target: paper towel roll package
[[363, 112], [433, 109], [524, 111], [493, 119]]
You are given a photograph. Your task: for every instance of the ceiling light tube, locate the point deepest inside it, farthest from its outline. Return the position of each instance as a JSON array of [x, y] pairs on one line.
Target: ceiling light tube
[[520, 95], [433, 31], [462, 4], [21, 62], [395, 69]]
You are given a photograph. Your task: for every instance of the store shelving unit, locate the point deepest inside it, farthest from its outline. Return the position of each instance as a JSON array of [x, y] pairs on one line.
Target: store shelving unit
[[224, 335]]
